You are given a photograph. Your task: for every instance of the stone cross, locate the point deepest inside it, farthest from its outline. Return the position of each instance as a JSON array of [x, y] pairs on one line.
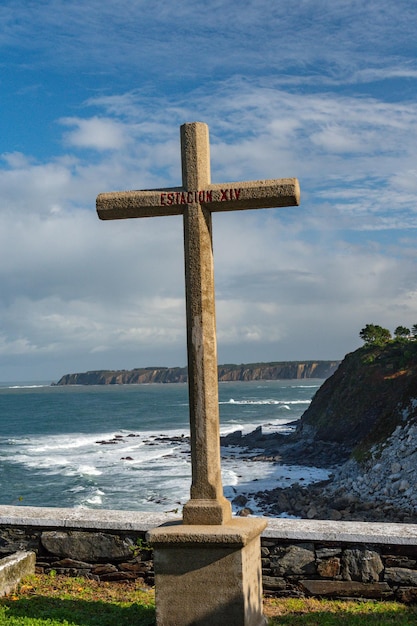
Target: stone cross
[[195, 200]]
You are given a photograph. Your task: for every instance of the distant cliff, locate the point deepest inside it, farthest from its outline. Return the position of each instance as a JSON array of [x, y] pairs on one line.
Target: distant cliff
[[253, 371]]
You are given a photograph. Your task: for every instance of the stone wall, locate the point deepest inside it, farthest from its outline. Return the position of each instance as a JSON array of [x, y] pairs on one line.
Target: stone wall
[[333, 569], [114, 556], [299, 557]]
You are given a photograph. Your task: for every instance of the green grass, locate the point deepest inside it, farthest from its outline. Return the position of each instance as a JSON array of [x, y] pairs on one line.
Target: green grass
[[54, 612], [62, 601], [314, 612]]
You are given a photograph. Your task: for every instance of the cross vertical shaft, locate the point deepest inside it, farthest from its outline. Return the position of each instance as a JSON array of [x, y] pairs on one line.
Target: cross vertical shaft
[[195, 200], [207, 504]]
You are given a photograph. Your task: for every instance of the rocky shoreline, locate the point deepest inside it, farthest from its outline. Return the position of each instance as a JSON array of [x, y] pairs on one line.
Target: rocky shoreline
[[378, 490], [361, 426]]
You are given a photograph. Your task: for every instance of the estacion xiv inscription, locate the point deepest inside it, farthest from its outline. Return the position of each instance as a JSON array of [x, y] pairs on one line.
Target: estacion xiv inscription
[[199, 197]]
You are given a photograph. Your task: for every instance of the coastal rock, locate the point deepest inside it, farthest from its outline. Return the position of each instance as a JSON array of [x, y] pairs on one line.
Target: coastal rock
[[361, 425], [372, 482], [373, 392]]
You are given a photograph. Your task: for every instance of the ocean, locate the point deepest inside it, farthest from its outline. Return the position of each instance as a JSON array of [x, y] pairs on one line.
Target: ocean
[[125, 446]]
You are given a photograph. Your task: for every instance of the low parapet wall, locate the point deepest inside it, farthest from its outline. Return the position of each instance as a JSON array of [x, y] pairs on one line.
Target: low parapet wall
[[299, 557]]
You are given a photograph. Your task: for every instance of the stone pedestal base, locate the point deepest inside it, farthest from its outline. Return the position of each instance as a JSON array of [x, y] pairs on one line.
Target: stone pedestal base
[[204, 512], [208, 575]]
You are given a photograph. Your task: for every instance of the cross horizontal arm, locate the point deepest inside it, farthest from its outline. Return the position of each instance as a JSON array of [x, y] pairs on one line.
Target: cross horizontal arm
[[118, 205], [256, 194]]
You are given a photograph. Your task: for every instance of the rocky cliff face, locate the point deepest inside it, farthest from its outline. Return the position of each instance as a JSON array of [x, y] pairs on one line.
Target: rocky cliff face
[[362, 426], [253, 371], [368, 410], [363, 402]]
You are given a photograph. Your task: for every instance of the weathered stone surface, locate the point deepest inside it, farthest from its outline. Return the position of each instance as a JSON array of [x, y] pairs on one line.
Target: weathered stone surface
[[346, 589], [401, 576], [208, 584], [361, 565], [72, 563], [408, 595], [13, 568], [325, 553], [400, 561], [137, 568], [14, 539], [329, 568], [91, 547], [106, 568], [273, 583], [294, 560]]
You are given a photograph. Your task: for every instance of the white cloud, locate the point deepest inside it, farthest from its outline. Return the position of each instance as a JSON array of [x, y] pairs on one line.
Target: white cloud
[[97, 133]]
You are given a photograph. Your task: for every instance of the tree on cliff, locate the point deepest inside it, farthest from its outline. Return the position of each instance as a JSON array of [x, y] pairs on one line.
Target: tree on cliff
[[401, 332], [373, 334]]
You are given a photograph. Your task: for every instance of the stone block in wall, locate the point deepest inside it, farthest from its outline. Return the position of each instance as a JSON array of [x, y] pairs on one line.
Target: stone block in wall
[[136, 567], [399, 561], [400, 576], [293, 560], [329, 568], [71, 563], [273, 583], [361, 565], [325, 553], [408, 595], [86, 546], [13, 539], [407, 550], [104, 568], [346, 589]]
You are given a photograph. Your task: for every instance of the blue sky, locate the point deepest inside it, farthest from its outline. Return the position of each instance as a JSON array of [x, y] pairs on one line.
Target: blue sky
[[92, 97]]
